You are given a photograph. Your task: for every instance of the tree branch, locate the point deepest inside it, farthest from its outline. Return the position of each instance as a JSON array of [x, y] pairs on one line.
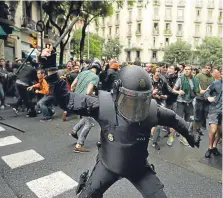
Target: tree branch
[[68, 37], [68, 16], [54, 24]]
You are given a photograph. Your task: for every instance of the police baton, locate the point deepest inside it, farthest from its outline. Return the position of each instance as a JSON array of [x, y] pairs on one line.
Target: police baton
[[66, 31], [21, 66]]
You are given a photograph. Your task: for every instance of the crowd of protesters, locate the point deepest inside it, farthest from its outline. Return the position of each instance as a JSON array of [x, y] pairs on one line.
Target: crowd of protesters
[[191, 92]]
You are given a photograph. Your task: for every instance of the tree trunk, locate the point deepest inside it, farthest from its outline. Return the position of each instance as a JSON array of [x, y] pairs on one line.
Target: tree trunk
[[82, 41], [62, 46]]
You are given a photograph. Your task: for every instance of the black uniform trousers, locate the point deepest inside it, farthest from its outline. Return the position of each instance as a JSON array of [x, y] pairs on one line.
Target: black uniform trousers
[[145, 180]]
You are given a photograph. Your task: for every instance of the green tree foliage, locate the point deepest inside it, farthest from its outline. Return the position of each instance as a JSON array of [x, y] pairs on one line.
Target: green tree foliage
[[210, 51], [68, 9], [112, 48], [90, 11], [177, 52], [95, 45]]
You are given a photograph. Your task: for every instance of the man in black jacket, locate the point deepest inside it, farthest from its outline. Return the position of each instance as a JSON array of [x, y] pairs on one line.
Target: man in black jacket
[[126, 117], [25, 78]]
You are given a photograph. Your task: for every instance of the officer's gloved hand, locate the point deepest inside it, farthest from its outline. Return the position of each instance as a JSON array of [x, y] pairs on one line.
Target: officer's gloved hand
[[193, 138]]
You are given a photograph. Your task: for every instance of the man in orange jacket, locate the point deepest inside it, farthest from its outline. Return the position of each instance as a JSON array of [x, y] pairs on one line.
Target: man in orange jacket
[[45, 103]]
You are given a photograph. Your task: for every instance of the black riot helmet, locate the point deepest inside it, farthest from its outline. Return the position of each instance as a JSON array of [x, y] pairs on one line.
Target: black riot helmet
[[132, 93], [95, 64]]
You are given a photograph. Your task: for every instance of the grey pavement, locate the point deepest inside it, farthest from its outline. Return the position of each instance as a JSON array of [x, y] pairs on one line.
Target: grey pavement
[[177, 167]]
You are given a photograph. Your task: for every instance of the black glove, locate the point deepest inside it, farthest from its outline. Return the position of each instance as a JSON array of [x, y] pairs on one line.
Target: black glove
[[193, 137]]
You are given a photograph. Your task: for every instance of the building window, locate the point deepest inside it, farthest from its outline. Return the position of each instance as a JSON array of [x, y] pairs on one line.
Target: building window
[[154, 54], [155, 26], [128, 56], [154, 41], [197, 28], [180, 13], [166, 42], [129, 43], [198, 13], [180, 27], [103, 21], [139, 28], [117, 17], [168, 13], [110, 31], [130, 15], [116, 30], [139, 13], [209, 30], [130, 28], [196, 43], [156, 11], [209, 14], [220, 14], [167, 26], [103, 31], [138, 54], [220, 31]]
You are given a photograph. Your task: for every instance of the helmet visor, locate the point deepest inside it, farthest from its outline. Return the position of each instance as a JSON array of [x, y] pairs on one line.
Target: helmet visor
[[133, 105]]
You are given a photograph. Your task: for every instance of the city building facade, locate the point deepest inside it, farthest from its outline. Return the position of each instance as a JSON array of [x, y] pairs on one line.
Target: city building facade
[[22, 18], [148, 27]]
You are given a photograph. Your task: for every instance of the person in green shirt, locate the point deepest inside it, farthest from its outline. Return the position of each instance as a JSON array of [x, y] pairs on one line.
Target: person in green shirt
[[85, 83], [201, 104]]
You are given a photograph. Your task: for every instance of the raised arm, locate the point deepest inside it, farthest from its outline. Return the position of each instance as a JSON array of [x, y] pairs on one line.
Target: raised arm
[[168, 118]]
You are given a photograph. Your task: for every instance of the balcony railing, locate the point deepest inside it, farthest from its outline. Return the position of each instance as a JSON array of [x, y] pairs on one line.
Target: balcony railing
[[180, 19], [138, 33], [179, 34], [117, 35], [117, 22], [109, 23], [197, 20], [211, 5], [220, 5], [210, 20], [155, 32], [167, 32], [168, 18], [156, 18], [29, 24], [154, 60], [129, 34], [220, 20], [129, 20], [156, 3], [197, 35], [181, 3], [139, 18], [169, 3], [209, 34], [198, 4]]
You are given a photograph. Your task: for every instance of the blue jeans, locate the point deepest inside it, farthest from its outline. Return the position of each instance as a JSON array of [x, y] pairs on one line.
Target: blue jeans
[[86, 124], [45, 104]]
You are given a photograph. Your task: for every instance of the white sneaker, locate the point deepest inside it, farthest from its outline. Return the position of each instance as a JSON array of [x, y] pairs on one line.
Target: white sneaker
[[184, 141], [2, 107]]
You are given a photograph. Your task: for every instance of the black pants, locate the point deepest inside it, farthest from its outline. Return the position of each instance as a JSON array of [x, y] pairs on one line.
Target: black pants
[[201, 112], [145, 180], [23, 96], [185, 110]]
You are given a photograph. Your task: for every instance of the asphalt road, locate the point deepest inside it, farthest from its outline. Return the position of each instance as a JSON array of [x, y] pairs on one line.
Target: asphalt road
[[41, 163]]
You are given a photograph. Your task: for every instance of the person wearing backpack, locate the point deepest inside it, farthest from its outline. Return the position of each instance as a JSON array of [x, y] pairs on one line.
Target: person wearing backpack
[[187, 87]]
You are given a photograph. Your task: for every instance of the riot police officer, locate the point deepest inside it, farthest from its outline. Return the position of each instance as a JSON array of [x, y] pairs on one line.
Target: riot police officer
[[126, 116]]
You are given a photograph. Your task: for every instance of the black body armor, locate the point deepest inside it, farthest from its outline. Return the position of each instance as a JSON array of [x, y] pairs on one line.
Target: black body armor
[[123, 144]]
